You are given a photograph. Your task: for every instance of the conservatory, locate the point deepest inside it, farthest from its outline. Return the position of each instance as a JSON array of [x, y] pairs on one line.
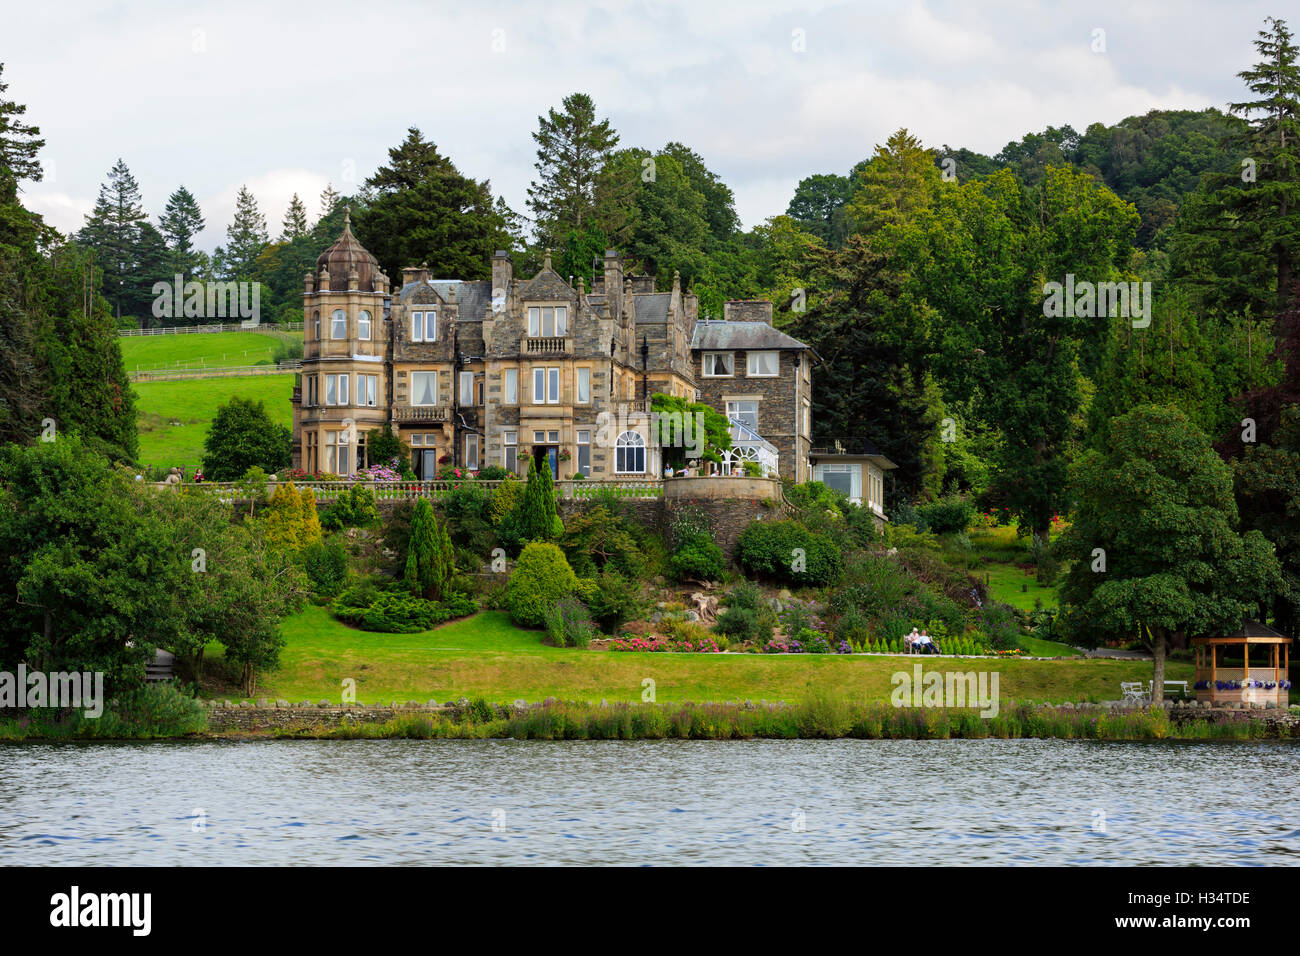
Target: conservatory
[[1250, 666]]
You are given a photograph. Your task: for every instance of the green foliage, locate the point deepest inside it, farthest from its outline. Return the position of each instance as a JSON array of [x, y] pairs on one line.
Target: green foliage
[[504, 499], [354, 508], [568, 623], [613, 600], [536, 516], [541, 577], [572, 146], [469, 520], [679, 424], [430, 560], [326, 565], [698, 559], [243, 435], [595, 540], [395, 612], [948, 515], [786, 551], [384, 446], [282, 522]]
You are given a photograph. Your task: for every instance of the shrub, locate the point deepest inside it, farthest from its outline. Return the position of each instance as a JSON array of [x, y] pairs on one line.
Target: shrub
[[568, 623], [613, 600], [494, 473], [541, 577], [469, 522], [770, 549], [430, 560], [355, 508], [595, 539], [396, 612], [698, 558], [504, 499], [537, 518], [326, 564], [948, 515]]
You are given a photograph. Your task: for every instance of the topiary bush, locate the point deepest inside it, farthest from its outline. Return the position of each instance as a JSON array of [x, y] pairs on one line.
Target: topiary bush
[[355, 508], [541, 577]]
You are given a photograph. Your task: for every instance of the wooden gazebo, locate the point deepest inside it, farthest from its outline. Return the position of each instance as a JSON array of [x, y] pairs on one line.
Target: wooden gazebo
[[1267, 681]]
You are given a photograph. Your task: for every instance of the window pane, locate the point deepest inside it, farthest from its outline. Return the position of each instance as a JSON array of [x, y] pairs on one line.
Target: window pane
[[553, 385], [330, 389], [539, 386], [533, 323], [424, 388], [512, 386], [561, 321], [340, 326], [539, 437], [584, 438], [417, 326], [467, 388], [584, 459], [512, 438], [512, 458], [363, 324], [343, 389], [548, 321], [431, 326], [552, 437], [763, 363], [584, 386]]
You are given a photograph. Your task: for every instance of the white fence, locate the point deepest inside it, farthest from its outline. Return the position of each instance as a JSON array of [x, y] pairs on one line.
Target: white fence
[[213, 371], [214, 327]]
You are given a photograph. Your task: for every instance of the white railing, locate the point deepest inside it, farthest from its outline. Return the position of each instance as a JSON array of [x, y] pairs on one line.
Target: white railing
[[212, 328], [566, 490]]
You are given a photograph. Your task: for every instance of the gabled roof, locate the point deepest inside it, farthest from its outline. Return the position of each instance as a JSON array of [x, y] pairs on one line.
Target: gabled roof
[[651, 306], [711, 335], [473, 298]]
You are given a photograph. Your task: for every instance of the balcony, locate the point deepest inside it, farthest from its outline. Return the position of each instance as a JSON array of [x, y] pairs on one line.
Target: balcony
[[548, 345], [403, 414]]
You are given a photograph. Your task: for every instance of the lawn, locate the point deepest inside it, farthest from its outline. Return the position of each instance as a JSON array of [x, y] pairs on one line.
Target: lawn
[[216, 350], [487, 656], [194, 404], [1003, 553]]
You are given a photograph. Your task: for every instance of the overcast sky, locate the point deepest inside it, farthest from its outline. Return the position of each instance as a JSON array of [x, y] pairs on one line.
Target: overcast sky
[[285, 97]]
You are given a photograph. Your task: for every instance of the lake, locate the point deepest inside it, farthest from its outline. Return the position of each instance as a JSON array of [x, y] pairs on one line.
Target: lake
[[358, 802]]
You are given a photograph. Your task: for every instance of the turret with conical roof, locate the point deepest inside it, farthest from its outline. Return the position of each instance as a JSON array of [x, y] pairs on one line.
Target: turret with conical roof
[[343, 258]]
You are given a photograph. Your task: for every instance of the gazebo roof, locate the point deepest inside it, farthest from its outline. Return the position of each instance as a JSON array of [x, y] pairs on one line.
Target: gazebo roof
[[1249, 632]]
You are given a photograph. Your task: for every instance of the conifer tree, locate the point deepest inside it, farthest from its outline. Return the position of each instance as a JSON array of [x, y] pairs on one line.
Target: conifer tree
[[181, 221], [571, 149], [246, 236], [113, 231], [295, 220]]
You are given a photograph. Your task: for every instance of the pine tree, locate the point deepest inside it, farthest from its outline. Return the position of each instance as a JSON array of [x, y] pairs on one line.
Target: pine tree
[[283, 520], [329, 200], [181, 221], [246, 236], [113, 231], [571, 150], [311, 532], [295, 220], [18, 142], [538, 519]]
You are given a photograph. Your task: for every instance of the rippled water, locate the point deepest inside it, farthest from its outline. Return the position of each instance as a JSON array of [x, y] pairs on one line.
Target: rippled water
[[651, 802]]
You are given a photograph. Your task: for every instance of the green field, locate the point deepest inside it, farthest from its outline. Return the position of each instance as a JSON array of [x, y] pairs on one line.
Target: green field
[[486, 655], [194, 404], [215, 350]]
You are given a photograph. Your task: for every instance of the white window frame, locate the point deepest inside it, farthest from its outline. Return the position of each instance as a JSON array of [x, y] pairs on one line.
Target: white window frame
[[363, 325], [336, 389], [626, 443], [414, 392], [546, 385], [552, 386], [367, 389], [710, 364], [424, 326], [511, 387], [583, 396], [316, 326], [732, 410], [337, 316], [471, 452], [750, 365], [584, 453], [466, 386], [510, 450]]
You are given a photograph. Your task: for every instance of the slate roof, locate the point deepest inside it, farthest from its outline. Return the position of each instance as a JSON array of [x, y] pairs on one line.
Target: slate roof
[[710, 336], [651, 307], [473, 298]]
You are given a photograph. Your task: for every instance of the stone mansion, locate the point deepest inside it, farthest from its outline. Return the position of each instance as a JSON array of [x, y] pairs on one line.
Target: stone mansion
[[479, 373]]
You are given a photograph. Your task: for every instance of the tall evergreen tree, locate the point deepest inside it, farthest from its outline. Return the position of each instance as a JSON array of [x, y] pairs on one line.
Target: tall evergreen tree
[[113, 231], [1238, 240], [571, 149], [246, 237], [295, 220], [329, 200], [425, 210], [18, 141], [181, 221]]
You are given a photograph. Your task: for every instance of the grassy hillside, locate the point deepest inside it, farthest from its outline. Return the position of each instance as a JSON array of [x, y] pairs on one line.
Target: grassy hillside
[[217, 350], [194, 404], [486, 655]]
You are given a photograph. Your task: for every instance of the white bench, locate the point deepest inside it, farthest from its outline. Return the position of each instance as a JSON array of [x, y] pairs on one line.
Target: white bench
[[1180, 684], [1132, 690]]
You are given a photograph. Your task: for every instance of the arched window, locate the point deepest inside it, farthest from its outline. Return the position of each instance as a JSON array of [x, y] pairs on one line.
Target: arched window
[[629, 454], [316, 326], [363, 324], [339, 324]]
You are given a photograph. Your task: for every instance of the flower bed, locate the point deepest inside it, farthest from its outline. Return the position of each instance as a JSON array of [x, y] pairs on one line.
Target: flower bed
[[704, 645]]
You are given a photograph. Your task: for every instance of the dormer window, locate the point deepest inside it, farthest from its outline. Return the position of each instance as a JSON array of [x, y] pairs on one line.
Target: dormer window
[[424, 326], [548, 321], [339, 324], [363, 324]]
